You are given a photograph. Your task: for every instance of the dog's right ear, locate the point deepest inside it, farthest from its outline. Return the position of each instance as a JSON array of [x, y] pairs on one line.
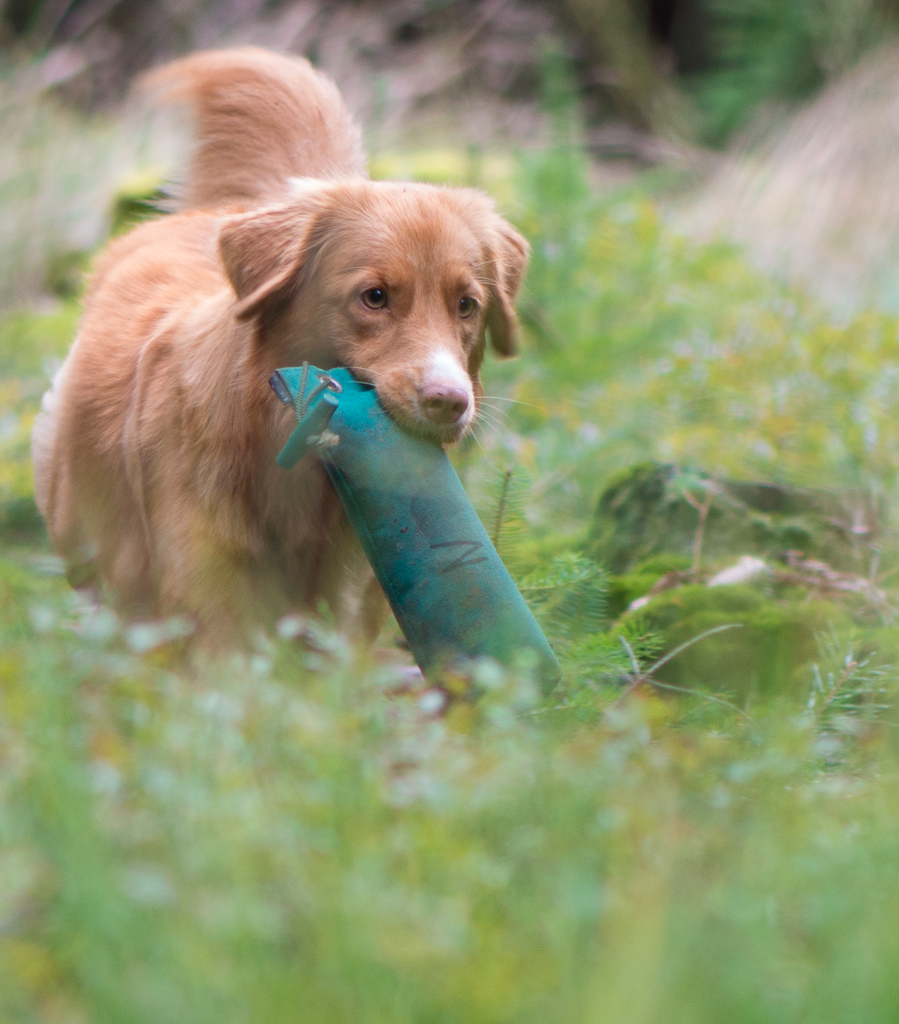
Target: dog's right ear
[[508, 253], [263, 252]]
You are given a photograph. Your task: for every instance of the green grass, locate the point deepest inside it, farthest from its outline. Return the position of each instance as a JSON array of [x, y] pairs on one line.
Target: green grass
[[282, 837], [283, 840]]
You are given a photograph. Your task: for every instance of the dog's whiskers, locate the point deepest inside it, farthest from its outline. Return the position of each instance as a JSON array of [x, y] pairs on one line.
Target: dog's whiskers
[[472, 432], [529, 405], [496, 417], [487, 424], [486, 417]]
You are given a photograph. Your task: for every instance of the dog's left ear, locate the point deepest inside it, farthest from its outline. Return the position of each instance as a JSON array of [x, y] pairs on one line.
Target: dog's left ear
[[507, 258], [263, 253]]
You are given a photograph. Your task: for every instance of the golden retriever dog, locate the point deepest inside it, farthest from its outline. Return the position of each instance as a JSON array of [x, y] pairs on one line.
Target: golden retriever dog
[[154, 452]]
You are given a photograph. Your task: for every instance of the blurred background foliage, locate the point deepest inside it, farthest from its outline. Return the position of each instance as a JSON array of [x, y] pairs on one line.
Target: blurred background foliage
[[691, 470], [632, 57]]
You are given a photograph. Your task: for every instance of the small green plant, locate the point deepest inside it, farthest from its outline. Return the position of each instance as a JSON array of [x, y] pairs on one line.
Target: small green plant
[[569, 599], [502, 512], [847, 682]]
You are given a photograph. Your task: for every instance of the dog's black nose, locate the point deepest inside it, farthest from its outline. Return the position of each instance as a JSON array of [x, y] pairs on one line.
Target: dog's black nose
[[443, 404]]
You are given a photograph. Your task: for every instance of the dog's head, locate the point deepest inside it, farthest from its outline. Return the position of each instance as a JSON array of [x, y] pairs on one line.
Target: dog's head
[[401, 283]]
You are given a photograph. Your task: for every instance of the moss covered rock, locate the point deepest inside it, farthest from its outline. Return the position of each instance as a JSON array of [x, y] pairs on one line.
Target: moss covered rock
[[645, 530], [625, 589], [770, 640], [651, 509]]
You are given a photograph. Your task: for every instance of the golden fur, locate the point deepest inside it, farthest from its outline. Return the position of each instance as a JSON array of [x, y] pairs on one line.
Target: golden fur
[[154, 452]]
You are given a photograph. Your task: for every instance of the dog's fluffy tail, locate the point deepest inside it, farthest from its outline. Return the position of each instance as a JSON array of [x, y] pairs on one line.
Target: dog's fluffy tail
[[260, 119]]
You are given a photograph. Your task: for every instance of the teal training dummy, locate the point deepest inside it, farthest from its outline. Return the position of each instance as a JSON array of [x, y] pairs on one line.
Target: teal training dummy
[[448, 588]]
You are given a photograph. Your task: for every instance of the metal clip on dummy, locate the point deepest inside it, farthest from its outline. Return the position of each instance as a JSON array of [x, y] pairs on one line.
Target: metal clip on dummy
[[448, 588], [314, 407]]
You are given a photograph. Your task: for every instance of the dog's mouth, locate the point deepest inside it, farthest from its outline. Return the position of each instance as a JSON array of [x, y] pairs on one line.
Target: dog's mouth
[[414, 420], [449, 434], [441, 415]]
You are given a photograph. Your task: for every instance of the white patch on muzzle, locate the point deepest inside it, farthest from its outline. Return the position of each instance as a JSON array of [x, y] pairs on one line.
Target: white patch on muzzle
[[444, 368]]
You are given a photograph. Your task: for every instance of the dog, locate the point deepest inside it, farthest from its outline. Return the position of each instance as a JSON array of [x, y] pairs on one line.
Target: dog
[[154, 450]]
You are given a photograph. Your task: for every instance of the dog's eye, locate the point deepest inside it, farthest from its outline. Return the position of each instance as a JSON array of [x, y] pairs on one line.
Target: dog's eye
[[374, 298], [467, 305]]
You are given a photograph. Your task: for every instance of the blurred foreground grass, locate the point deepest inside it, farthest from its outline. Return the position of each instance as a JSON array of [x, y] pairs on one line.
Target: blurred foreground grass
[[285, 836], [285, 841]]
